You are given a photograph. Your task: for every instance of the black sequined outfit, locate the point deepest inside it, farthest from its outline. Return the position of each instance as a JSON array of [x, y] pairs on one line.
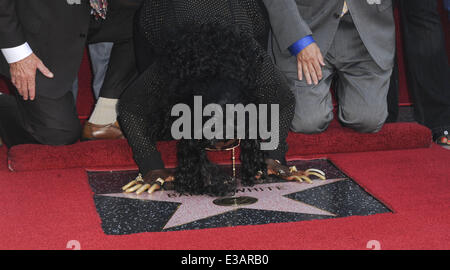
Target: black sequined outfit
[[143, 97]]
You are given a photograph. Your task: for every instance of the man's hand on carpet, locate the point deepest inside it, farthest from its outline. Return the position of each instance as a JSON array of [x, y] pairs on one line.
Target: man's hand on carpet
[[274, 167], [152, 181], [23, 75]]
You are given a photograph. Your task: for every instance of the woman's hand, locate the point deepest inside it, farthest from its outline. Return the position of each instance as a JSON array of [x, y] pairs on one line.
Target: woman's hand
[[152, 181], [274, 167]]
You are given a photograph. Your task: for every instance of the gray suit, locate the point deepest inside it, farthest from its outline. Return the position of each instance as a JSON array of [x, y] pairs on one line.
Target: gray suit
[[358, 48]]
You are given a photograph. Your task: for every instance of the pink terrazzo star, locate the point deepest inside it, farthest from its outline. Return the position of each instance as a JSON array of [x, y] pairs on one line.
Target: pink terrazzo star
[[269, 197]]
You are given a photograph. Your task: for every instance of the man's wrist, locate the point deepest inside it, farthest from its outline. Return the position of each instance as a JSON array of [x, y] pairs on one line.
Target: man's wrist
[[301, 44], [15, 54]]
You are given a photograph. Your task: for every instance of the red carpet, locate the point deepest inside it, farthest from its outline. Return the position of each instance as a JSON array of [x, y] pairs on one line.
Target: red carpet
[[113, 154], [46, 209]]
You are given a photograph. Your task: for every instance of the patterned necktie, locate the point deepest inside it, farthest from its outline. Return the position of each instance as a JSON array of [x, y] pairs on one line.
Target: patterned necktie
[[344, 9], [99, 8]]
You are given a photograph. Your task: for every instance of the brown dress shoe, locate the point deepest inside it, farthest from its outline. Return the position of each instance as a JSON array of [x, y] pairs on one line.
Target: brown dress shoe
[[101, 132]]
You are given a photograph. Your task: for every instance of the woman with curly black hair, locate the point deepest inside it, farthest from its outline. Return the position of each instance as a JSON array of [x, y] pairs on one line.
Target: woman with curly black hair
[[215, 49]]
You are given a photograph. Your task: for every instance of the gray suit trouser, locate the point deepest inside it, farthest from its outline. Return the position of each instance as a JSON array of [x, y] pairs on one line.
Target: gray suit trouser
[[99, 54], [361, 87]]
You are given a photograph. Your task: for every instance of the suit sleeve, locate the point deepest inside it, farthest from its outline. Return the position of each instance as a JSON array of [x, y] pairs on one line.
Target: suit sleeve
[[11, 33], [288, 26]]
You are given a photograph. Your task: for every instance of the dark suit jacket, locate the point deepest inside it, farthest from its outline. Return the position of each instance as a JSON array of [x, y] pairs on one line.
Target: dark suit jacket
[[56, 32], [118, 26]]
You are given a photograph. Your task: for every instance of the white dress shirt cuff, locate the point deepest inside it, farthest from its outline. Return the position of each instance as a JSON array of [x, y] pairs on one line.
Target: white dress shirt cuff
[[18, 53]]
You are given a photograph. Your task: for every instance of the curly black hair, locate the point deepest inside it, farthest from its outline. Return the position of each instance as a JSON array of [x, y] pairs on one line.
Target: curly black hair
[[220, 64]]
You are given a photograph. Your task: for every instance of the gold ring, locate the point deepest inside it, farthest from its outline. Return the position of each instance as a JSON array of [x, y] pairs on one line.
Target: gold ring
[[139, 178], [161, 181]]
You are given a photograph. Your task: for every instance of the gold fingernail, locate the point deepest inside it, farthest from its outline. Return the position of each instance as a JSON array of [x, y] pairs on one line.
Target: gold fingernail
[[153, 188], [129, 185], [306, 179], [142, 189], [315, 170], [133, 189], [320, 176]]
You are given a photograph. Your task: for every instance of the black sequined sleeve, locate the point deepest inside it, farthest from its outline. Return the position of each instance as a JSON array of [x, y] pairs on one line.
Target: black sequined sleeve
[[272, 88], [138, 100]]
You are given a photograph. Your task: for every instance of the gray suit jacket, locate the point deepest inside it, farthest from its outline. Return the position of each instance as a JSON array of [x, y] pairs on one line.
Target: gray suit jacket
[[292, 20]]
